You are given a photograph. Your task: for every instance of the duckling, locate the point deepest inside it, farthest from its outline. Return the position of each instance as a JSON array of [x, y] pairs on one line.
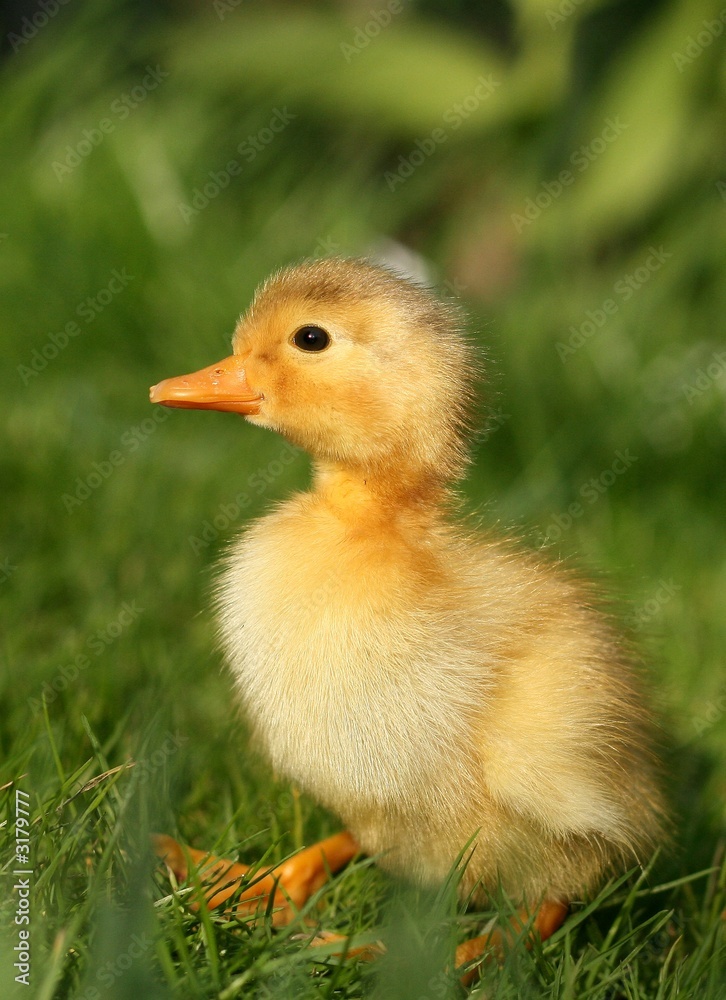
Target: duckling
[[431, 685]]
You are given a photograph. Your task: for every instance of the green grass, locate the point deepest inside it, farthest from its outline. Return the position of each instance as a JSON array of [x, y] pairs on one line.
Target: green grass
[[105, 923], [116, 716]]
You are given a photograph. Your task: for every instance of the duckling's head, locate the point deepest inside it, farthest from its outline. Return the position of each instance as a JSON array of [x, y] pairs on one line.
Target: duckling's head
[[363, 369]]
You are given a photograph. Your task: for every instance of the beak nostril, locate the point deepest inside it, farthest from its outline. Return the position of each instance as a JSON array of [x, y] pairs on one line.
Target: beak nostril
[[219, 387]]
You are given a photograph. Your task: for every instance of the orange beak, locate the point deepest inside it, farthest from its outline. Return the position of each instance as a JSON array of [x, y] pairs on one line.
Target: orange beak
[[220, 387]]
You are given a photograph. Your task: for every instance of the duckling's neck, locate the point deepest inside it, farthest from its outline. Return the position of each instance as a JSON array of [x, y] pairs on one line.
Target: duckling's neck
[[355, 494]]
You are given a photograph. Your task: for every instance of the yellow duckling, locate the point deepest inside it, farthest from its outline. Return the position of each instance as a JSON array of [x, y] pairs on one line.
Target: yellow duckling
[[427, 684]]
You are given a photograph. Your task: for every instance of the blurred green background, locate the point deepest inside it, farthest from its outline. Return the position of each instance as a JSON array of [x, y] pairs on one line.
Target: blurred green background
[[556, 165]]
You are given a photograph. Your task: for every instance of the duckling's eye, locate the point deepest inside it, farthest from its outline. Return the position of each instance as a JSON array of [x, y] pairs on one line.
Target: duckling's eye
[[311, 338]]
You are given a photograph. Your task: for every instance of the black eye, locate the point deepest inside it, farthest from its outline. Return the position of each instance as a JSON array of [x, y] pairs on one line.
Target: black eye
[[311, 338]]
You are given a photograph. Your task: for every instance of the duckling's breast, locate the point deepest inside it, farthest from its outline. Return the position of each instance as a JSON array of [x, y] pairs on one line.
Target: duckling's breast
[[353, 662]]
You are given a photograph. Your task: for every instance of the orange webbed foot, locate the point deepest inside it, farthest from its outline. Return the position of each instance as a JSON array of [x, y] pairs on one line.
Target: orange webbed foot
[[549, 917], [366, 952], [287, 886]]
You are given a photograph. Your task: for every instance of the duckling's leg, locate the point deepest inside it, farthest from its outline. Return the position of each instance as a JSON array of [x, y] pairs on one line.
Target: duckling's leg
[[290, 884], [549, 917]]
